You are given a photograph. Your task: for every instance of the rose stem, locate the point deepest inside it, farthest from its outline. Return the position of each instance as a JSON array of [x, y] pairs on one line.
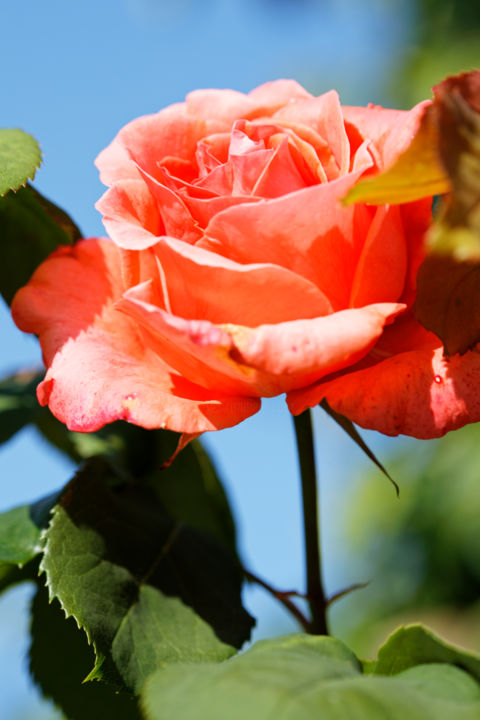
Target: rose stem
[[315, 592]]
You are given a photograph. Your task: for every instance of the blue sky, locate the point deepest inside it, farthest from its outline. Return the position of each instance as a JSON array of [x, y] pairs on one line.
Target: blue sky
[[73, 74]]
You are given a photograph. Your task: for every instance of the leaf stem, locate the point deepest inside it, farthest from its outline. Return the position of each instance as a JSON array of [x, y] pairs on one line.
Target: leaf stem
[[282, 597], [315, 592]]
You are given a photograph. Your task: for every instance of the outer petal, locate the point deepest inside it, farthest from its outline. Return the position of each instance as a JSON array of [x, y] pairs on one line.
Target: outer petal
[[419, 393], [291, 354], [277, 93], [99, 369], [148, 139], [130, 215], [309, 232], [391, 130], [203, 285]]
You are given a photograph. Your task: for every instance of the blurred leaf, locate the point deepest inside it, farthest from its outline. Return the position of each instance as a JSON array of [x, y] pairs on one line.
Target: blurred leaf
[[60, 659], [307, 678], [11, 575], [18, 403], [32, 227], [20, 157], [353, 433], [422, 554], [415, 645], [146, 589], [448, 296], [417, 173], [21, 528]]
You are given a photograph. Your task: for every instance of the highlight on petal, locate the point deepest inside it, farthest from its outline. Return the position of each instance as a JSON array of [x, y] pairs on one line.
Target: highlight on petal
[[308, 232], [296, 352], [419, 393], [99, 370], [171, 132], [204, 285]]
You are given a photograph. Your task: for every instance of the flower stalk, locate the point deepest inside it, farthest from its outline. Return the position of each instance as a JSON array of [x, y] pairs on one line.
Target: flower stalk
[[315, 592]]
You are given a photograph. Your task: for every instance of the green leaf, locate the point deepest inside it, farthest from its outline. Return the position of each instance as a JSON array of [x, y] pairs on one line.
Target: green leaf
[[192, 493], [31, 229], [307, 678], [146, 589], [11, 575], [417, 172], [60, 659], [353, 433], [20, 157], [414, 645], [190, 489], [21, 529], [18, 403]]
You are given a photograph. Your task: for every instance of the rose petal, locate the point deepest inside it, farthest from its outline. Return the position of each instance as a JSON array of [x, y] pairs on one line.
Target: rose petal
[[390, 130], [219, 109], [380, 273], [291, 354], [274, 94], [131, 215], [100, 371], [324, 115], [263, 361], [204, 209], [204, 285], [147, 140], [418, 393], [308, 232]]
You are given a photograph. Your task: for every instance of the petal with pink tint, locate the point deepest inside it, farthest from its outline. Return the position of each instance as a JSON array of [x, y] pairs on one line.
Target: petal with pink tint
[[309, 232], [291, 354], [98, 368], [130, 215], [203, 285], [204, 209], [219, 109], [197, 350], [175, 215], [273, 95], [147, 140], [381, 268], [419, 393], [391, 130], [280, 175], [324, 115]]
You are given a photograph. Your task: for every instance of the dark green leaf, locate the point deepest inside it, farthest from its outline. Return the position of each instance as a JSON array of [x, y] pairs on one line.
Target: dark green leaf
[[21, 529], [18, 403], [353, 433], [11, 575], [20, 157], [30, 230], [60, 659], [146, 589], [415, 645], [192, 493], [307, 678], [189, 489]]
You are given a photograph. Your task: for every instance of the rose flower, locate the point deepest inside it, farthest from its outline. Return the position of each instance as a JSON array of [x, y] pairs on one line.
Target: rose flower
[[234, 272]]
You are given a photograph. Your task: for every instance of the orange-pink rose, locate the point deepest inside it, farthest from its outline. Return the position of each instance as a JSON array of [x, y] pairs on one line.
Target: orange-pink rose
[[236, 273]]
